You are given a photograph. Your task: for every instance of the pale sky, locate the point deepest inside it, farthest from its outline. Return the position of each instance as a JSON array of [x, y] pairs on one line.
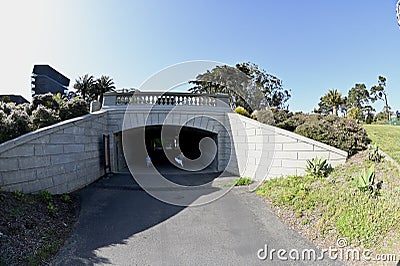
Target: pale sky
[[311, 45]]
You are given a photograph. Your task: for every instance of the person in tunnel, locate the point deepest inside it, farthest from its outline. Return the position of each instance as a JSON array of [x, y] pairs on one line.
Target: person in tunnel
[[148, 161], [179, 159]]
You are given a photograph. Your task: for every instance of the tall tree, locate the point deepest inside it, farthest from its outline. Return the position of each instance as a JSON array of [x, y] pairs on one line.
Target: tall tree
[[270, 86], [359, 97], [101, 86], [246, 84], [330, 102], [84, 86], [379, 92]]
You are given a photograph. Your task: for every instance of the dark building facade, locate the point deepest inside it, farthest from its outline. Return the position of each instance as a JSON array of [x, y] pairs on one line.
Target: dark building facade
[[46, 79], [17, 99]]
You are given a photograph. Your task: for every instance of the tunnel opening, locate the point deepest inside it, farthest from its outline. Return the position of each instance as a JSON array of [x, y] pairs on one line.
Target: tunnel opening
[[174, 140]]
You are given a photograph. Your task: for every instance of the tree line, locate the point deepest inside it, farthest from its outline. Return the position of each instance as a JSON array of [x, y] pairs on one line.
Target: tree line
[[358, 102]]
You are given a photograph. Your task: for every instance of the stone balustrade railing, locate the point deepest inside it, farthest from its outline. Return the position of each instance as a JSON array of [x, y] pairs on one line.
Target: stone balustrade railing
[[165, 99]]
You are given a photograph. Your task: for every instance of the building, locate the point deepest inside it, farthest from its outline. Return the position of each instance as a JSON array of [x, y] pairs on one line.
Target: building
[[17, 99], [46, 79]]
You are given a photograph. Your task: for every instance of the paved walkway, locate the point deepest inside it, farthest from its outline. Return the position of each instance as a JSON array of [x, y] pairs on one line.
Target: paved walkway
[[120, 224]]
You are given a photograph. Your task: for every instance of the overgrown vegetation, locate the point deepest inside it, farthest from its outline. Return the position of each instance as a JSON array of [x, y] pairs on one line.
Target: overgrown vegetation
[[241, 111], [318, 167], [45, 110], [346, 204], [34, 226], [342, 133]]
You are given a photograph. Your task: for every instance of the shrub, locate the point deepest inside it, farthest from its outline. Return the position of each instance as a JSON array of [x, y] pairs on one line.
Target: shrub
[[342, 133], [381, 117], [3, 131], [280, 115], [318, 167], [43, 117], [369, 118], [73, 108], [6, 108], [355, 113], [264, 116], [47, 100], [241, 111], [293, 121], [17, 124]]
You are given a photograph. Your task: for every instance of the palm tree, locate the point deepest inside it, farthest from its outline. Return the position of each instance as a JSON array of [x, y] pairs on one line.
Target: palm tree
[[84, 86], [102, 85], [334, 99]]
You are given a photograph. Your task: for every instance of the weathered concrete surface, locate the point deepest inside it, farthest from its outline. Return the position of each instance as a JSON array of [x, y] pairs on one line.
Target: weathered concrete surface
[[120, 224], [262, 151], [60, 158]]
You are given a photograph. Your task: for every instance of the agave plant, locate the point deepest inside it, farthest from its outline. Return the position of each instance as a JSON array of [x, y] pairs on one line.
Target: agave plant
[[366, 181], [318, 167], [374, 154]]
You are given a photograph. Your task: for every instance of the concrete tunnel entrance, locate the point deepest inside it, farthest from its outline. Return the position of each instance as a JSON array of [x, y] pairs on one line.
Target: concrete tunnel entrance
[[187, 139]]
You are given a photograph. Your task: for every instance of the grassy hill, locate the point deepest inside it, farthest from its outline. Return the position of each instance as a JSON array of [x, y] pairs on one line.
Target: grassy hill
[[387, 138]]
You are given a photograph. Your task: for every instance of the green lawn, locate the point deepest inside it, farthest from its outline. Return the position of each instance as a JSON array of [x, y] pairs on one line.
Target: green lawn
[[387, 138]]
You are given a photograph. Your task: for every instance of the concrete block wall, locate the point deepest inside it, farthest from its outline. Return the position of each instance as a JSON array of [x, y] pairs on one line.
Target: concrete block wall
[[60, 158], [67, 156], [263, 151]]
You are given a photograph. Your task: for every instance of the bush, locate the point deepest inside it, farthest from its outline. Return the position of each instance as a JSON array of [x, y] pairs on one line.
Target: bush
[[355, 113], [369, 119], [342, 133], [281, 115], [48, 100], [381, 117], [6, 108], [3, 131], [293, 121], [73, 108], [43, 117], [16, 124], [264, 116], [241, 111]]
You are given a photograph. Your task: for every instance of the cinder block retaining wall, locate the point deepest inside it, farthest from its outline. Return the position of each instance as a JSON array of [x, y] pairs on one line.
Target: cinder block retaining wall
[[60, 158], [69, 155], [263, 151]]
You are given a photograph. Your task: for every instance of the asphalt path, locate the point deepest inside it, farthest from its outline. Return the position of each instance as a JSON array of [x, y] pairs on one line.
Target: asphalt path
[[121, 224]]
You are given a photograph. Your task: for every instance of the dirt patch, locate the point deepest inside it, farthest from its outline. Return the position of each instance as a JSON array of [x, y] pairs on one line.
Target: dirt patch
[[34, 227]]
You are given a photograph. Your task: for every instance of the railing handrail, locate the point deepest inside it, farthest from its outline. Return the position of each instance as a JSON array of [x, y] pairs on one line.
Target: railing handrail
[[216, 95], [163, 98]]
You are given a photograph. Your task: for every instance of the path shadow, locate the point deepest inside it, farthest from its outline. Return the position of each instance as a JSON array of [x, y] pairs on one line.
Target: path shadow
[[114, 209]]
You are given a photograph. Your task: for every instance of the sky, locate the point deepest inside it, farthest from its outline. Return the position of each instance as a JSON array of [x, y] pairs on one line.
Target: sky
[[311, 45]]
